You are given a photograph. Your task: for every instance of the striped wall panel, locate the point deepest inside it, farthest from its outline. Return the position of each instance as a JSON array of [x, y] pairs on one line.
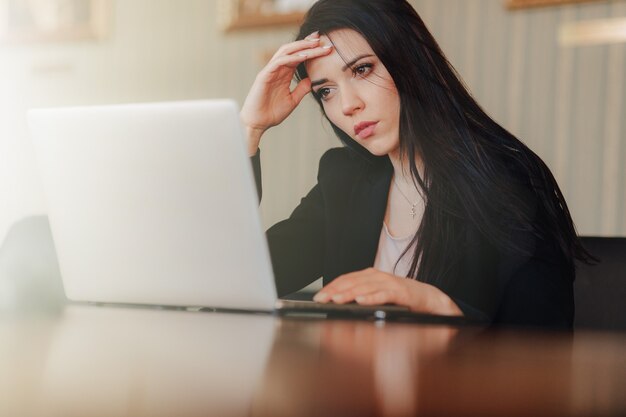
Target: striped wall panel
[[567, 103]]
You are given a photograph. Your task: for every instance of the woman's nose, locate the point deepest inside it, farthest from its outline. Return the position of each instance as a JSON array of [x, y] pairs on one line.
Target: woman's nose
[[351, 101]]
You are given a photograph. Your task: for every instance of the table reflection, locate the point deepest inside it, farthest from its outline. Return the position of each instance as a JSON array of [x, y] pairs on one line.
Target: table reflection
[[349, 368], [143, 362], [118, 361]]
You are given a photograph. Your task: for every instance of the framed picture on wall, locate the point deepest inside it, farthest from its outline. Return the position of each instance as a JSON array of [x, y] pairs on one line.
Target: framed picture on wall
[[524, 4], [34, 21], [252, 14]]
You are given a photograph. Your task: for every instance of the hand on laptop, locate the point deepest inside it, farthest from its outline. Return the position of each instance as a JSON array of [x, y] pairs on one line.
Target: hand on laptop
[[270, 99], [372, 287]]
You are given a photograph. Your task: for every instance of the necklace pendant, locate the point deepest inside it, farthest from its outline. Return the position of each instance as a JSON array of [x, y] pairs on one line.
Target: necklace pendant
[[413, 212]]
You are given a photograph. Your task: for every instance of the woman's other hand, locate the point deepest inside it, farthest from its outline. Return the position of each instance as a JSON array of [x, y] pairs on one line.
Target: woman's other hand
[[373, 287], [271, 99]]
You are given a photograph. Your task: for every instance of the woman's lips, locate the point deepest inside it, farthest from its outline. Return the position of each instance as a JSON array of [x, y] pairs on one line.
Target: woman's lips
[[365, 129]]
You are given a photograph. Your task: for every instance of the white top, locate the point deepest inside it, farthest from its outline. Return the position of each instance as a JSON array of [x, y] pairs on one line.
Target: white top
[[390, 249]]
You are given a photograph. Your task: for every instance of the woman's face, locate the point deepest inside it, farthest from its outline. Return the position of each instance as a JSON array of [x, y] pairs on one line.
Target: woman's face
[[357, 93]]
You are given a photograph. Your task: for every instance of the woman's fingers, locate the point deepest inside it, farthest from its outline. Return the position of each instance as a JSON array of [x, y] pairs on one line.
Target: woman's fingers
[[294, 59], [291, 61], [349, 280], [301, 90], [296, 46], [310, 41], [360, 290], [346, 287]]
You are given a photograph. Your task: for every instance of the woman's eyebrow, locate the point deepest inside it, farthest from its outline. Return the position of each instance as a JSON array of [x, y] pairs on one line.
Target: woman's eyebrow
[[318, 82], [345, 67]]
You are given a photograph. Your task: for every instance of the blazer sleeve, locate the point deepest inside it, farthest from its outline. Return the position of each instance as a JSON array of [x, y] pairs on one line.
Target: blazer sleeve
[[256, 169], [538, 292], [504, 287], [297, 244]]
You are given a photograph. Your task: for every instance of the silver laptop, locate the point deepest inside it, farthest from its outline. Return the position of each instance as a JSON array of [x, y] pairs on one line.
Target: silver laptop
[[156, 204]]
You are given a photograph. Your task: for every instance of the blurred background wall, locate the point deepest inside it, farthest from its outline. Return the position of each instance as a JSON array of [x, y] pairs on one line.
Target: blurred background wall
[[568, 103]]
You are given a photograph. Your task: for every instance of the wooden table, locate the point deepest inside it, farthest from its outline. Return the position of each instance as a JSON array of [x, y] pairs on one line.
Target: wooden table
[[118, 361]]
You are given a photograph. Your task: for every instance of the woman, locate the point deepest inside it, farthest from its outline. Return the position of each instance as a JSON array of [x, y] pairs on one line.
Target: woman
[[428, 186]]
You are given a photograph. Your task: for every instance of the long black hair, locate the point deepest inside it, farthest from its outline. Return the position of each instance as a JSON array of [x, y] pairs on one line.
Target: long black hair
[[475, 172]]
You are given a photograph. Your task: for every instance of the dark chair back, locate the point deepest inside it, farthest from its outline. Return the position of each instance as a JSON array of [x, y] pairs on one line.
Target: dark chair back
[[600, 290], [30, 280]]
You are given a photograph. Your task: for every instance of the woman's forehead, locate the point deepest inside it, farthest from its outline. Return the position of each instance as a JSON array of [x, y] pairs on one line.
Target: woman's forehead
[[347, 41]]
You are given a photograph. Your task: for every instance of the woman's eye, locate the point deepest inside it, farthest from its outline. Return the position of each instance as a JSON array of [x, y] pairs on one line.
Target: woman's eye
[[362, 69], [323, 93]]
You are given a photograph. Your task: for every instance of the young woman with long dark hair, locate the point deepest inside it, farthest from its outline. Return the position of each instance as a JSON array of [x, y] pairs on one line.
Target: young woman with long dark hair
[[430, 204]]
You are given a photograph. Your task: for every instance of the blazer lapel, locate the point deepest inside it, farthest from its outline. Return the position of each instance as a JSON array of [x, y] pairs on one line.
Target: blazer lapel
[[367, 207]]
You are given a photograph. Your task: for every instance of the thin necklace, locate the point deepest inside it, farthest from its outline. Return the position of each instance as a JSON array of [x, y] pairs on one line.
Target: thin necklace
[[413, 205]]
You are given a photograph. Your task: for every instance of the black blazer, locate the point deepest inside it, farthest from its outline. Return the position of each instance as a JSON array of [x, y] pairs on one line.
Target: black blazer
[[336, 229]]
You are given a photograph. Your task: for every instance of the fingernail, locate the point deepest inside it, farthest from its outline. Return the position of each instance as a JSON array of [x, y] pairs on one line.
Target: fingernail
[[337, 298], [320, 297], [304, 55], [359, 299], [312, 39], [313, 35], [327, 46]]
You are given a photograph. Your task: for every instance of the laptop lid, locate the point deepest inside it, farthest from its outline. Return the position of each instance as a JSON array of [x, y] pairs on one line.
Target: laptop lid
[[154, 204]]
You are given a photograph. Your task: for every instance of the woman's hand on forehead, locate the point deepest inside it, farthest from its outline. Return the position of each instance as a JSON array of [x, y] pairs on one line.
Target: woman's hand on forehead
[[270, 99]]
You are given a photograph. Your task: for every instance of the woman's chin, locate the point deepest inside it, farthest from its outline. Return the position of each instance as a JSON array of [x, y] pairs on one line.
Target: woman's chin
[[379, 150]]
